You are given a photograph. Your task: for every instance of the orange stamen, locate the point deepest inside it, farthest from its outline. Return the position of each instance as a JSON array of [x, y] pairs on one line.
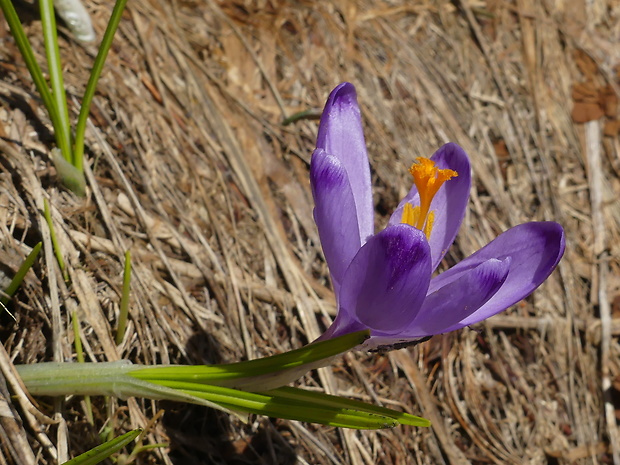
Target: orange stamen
[[428, 179]]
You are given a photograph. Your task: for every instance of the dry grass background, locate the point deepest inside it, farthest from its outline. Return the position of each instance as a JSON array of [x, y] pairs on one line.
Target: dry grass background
[[191, 169]]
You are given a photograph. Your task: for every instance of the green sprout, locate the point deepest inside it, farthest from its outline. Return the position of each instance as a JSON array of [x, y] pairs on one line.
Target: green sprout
[[21, 274], [68, 157]]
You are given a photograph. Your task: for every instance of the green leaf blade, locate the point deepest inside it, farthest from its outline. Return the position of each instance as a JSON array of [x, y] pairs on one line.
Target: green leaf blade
[[21, 273], [105, 450], [272, 405], [102, 54], [326, 399], [211, 374], [50, 38]]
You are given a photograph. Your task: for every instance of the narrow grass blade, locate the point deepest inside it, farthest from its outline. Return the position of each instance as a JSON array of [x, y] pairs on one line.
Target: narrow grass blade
[[33, 67], [21, 273], [104, 48], [122, 319], [105, 450], [50, 39]]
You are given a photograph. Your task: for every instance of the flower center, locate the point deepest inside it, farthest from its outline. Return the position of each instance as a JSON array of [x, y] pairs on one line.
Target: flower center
[[428, 179]]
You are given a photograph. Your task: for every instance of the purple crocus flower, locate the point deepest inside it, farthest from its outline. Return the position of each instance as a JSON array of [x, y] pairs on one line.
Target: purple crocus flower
[[383, 282]]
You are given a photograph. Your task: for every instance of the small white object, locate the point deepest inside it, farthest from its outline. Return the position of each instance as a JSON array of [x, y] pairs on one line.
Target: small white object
[[77, 19]]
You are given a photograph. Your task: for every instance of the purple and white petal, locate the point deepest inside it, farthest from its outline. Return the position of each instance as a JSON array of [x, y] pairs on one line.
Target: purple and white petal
[[387, 281], [534, 250], [458, 299], [341, 135], [450, 202], [334, 213]]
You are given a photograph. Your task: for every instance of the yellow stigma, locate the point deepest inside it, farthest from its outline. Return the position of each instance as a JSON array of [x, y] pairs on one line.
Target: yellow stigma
[[428, 179]]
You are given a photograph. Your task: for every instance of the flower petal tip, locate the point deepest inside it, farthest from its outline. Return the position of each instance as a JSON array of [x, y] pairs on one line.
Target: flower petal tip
[[341, 135], [341, 117]]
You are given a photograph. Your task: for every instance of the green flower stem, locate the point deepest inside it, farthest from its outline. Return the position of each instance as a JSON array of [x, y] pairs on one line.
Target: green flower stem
[[21, 273], [122, 319], [104, 48], [50, 38], [98, 379], [17, 31], [57, 379]]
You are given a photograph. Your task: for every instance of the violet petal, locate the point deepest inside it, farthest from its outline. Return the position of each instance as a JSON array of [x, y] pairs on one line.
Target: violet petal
[[534, 250], [449, 204], [386, 283], [334, 213], [342, 324], [458, 299], [341, 135]]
